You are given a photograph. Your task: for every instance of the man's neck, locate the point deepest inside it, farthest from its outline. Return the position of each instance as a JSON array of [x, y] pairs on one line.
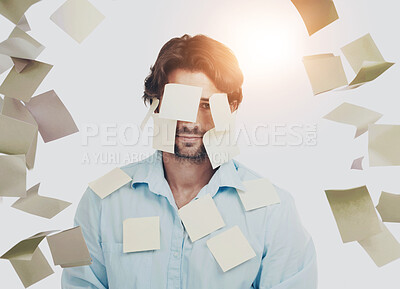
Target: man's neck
[[186, 178]]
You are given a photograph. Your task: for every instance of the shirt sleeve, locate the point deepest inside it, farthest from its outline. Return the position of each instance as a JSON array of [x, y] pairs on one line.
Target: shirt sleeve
[[289, 259], [94, 276]]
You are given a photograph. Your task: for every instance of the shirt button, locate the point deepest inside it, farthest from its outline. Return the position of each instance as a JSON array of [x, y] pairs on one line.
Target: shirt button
[[176, 254]]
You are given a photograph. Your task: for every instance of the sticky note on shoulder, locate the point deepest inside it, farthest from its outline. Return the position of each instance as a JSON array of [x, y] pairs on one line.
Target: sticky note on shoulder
[[201, 217], [230, 248], [141, 234], [259, 193], [110, 182]]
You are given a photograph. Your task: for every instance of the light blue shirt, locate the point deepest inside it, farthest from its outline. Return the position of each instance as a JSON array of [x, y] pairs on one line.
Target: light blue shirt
[[285, 253]]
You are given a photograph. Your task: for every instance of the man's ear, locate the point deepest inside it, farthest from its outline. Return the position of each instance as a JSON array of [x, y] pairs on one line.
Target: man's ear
[[233, 105]]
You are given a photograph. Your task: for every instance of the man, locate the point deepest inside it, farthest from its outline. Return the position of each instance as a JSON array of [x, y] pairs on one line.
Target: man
[[165, 182]]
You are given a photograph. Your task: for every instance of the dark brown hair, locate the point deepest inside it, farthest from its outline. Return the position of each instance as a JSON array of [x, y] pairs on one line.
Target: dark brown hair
[[197, 53]]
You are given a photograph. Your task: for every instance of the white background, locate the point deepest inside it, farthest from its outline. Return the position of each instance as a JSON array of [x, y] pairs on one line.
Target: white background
[[101, 82]]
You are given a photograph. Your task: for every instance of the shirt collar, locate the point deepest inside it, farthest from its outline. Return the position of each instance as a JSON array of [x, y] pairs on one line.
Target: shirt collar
[[153, 174]]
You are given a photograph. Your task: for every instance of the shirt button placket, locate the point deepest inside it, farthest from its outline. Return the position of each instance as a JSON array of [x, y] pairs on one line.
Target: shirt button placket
[[174, 266]]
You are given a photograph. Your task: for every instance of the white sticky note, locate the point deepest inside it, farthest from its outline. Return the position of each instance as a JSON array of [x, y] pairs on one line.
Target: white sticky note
[[152, 108], [201, 217], [78, 18], [355, 115], [110, 182], [325, 72], [384, 145], [259, 193], [230, 248], [221, 146], [164, 134], [180, 102], [141, 234], [220, 111]]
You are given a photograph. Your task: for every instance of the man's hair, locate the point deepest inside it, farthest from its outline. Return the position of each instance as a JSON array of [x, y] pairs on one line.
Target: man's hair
[[197, 54]]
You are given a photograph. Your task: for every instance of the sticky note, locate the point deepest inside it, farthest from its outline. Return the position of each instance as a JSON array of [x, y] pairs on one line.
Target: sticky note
[[37, 205], [69, 249], [180, 102], [259, 193], [110, 182], [384, 145], [201, 217], [164, 133], [78, 18], [388, 207], [354, 213], [220, 111], [12, 176], [141, 234], [325, 72], [230, 248], [355, 115]]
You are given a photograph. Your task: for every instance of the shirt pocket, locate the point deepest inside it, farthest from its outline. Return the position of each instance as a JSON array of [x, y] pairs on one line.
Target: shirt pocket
[[127, 270]]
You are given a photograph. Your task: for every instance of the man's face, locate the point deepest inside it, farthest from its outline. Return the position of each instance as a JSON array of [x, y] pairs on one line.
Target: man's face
[[189, 135]]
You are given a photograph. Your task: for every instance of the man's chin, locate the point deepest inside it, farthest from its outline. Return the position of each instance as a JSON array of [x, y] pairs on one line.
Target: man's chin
[[190, 153]]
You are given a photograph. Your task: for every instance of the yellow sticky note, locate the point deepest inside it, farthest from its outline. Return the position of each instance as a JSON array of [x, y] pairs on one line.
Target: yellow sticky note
[[259, 193], [141, 234], [110, 182]]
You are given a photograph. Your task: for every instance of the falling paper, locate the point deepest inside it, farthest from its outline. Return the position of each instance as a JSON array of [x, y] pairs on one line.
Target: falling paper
[[316, 14], [388, 207], [15, 109], [357, 164], [16, 136], [383, 247], [201, 217], [110, 182], [141, 234], [354, 213], [20, 63], [24, 84], [180, 102], [34, 270], [164, 134], [21, 45], [220, 111], [5, 63], [25, 249], [78, 18], [40, 206], [355, 115], [325, 72], [152, 108], [14, 10], [365, 59], [230, 248], [259, 193], [23, 24], [384, 145], [69, 249], [221, 146], [12, 176], [52, 116]]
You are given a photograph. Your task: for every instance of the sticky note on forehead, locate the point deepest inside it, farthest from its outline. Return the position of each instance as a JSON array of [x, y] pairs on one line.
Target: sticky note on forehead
[[180, 102]]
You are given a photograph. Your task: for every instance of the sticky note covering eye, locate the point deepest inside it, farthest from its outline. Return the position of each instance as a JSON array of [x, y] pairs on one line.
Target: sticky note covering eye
[[259, 193], [180, 102], [354, 213], [201, 217], [316, 14], [325, 72], [230, 248], [141, 234], [110, 182], [78, 18], [69, 249]]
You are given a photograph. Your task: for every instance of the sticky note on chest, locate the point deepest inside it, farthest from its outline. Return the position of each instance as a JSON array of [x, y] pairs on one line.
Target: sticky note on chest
[[141, 234]]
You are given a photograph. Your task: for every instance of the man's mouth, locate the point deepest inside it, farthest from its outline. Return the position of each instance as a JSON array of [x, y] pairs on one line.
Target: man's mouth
[[189, 137]]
